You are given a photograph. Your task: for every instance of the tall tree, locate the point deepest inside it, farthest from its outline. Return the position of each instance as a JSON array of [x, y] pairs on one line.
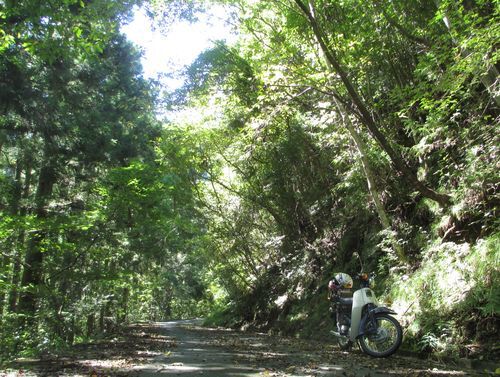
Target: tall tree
[[362, 110]]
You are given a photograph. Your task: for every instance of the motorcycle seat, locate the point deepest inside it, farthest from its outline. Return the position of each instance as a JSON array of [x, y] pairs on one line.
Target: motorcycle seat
[[345, 301]]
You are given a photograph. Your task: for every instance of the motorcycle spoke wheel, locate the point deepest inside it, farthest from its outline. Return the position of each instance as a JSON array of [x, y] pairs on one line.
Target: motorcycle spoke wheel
[[385, 340]]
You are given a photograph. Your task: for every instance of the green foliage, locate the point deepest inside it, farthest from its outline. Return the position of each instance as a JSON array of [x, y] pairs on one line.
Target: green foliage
[[220, 69], [49, 31], [242, 209], [285, 197], [445, 300], [72, 120]]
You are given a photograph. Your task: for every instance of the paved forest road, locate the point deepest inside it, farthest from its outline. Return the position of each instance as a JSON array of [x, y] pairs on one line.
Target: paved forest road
[[184, 348]]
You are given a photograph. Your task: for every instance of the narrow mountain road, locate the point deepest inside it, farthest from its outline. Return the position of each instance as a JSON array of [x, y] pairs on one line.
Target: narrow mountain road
[[184, 348]]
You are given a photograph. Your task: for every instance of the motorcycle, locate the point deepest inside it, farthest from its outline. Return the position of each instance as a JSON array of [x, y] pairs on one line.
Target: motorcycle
[[360, 318]]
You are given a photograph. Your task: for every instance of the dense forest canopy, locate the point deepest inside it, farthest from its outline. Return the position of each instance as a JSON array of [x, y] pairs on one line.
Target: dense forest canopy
[[332, 133]]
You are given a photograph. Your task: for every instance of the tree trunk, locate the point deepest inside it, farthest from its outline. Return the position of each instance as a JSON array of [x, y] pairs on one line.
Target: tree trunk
[[32, 274], [3, 293], [372, 186], [8, 257], [102, 314], [90, 325], [70, 336], [16, 242], [124, 306], [15, 276], [20, 244], [364, 114]]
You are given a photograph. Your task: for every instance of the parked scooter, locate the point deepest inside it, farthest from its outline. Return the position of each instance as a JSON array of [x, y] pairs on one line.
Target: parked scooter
[[360, 319]]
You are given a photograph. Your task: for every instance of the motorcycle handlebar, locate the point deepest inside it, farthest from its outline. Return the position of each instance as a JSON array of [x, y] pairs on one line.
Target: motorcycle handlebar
[[365, 279], [365, 276]]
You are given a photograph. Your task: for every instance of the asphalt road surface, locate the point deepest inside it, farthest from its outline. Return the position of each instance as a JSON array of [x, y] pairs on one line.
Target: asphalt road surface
[[185, 348]]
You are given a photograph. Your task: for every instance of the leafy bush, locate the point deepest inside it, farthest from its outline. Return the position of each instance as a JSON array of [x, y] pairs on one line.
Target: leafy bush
[[444, 301]]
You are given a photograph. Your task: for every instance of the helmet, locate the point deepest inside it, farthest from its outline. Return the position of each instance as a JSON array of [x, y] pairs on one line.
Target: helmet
[[343, 280]]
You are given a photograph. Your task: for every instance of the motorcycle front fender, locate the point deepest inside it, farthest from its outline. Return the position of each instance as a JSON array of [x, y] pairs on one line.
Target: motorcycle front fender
[[370, 316], [382, 309]]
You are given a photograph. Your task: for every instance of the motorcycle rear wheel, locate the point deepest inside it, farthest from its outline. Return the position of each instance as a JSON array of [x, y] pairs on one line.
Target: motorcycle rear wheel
[[385, 340]]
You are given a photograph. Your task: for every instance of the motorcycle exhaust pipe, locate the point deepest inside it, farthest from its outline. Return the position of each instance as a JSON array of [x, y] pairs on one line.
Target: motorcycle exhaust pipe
[[337, 334]]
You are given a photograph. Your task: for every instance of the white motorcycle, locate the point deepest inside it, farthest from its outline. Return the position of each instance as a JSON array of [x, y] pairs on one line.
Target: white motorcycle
[[360, 319]]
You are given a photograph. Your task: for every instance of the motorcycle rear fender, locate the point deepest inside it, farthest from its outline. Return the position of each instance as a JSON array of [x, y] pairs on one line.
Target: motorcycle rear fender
[[368, 316]]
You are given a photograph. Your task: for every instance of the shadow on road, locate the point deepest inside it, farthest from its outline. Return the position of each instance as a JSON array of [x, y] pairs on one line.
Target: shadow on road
[[185, 348]]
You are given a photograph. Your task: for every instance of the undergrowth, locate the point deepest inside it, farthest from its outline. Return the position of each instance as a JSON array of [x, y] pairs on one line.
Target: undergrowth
[[450, 306]]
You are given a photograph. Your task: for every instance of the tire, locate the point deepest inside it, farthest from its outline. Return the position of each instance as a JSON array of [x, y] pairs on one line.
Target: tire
[[387, 339]]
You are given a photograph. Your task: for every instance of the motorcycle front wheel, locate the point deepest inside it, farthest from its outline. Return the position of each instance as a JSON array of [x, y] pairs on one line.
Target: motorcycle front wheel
[[383, 340]]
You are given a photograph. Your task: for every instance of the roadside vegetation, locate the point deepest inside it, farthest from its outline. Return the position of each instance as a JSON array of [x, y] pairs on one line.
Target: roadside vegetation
[[333, 136]]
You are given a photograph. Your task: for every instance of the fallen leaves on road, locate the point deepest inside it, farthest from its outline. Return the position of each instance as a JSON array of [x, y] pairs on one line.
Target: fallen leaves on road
[[266, 356]]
